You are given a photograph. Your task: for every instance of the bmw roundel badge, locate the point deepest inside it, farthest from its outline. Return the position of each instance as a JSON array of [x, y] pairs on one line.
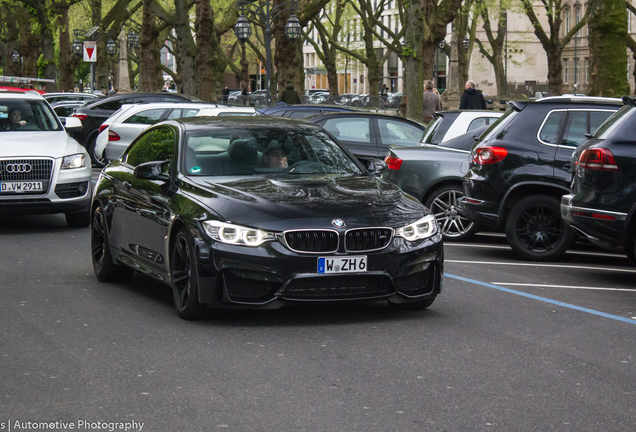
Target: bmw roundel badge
[[338, 223]]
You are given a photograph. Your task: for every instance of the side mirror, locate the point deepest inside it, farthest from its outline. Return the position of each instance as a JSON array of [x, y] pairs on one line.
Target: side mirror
[[72, 123], [151, 171], [588, 135], [374, 166]]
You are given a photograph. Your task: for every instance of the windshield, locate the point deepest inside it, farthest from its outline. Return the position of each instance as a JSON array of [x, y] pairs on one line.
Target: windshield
[[258, 151], [23, 115]]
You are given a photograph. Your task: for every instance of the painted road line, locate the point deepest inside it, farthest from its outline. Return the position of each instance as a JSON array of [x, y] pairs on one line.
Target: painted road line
[[525, 264], [543, 299], [564, 286], [477, 245]]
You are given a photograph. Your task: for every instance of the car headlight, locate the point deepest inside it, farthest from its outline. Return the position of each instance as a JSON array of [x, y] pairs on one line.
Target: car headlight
[[236, 234], [420, 229], [74, 161]]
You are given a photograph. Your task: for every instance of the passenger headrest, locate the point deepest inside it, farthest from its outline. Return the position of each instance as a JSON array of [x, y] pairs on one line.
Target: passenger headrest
[[243, 150]]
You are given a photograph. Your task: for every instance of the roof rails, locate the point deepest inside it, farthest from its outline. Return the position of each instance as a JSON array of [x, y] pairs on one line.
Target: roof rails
[[577, 98], [629, 100]]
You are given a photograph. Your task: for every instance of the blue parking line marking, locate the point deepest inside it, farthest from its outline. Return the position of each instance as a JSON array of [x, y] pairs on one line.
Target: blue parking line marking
[[543, 299]]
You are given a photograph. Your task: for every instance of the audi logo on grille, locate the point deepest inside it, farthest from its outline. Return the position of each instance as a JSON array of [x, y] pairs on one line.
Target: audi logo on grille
[[18, 168]]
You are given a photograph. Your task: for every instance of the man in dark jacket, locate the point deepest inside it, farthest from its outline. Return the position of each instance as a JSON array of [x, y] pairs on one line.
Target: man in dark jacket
[[290, 96], [472, 98]]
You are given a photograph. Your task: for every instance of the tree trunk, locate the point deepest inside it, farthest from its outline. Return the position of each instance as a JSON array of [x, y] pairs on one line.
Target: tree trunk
[[607, 39], [30, 43], [68, 60], [289, 64], [412, 53], [186, 47], [11, 35], [245, 75], [48, 44], [203, 25], [148, 50]]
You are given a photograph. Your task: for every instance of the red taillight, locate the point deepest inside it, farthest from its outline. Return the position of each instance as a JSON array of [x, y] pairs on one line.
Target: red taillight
[[393, 163], [112, 136], [597, 159], [102, 127], [489, 155], [80, 116]]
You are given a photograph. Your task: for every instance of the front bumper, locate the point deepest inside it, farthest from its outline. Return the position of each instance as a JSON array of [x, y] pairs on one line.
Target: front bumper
[[67, 191], [601, 227], [272, 276]]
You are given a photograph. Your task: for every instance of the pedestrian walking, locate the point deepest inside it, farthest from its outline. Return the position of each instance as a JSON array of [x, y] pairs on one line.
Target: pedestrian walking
[[432, 103], [384, 96], [226, 92], [290, 95], [472, 98]]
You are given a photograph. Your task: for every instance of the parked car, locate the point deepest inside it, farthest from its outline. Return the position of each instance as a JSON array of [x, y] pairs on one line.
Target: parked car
[[319, 98], [94, 113], [234, 97], [209, 214], [368, 134], [450, 124], [257, 98], [602, 203], [65, 109], [522, 166], [42, 169], [434, 174], [299, 111], [120, 129], [53, 98]]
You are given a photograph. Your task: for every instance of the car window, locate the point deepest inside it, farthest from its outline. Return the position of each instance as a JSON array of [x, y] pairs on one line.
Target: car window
[[22, 115], [615, 123], [499, 128], [230, 113], [256, 151], [135, 153], [597, 118], [182, 113], [479, 122], [149, 116], [349, 129], [575, 128], [112, 105], [398, 132], [63, 111], [435, 132], [549, 132], [300, 114]]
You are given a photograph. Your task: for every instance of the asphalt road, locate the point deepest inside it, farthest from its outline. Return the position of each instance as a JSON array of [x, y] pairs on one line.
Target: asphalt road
[[507, 346]]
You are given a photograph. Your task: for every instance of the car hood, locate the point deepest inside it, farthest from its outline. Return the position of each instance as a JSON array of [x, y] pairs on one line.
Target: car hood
[[288, 202], [54, 144]]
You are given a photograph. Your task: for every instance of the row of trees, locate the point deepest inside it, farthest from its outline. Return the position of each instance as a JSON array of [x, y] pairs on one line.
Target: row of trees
[[205, 47]]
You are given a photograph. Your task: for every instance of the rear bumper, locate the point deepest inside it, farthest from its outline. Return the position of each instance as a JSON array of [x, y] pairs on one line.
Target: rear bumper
[[601, 227], [478, 211]]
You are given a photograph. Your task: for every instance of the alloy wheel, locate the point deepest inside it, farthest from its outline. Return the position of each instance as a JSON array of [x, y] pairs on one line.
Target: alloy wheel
[[539, 228], [181, 272], [98, 240], [444, 207]]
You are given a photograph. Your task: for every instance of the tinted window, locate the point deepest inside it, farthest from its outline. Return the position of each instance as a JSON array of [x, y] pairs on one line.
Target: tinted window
[[349, 129], [439, 128], [616, 122], [21, 115], [183, 112], [498, 128], [135, 154], [575, 128], [398, 132], [549, 132], [150, 116], [112, 105], [156, 145], [300, 114], [63, 111], [597, 118]]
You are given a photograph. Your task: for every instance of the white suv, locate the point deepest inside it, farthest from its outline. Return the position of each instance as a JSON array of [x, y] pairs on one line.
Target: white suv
[[126, 124], [42, 169]]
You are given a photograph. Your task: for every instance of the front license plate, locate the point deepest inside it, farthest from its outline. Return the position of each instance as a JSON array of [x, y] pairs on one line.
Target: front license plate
[[342, 265], [20, 187]]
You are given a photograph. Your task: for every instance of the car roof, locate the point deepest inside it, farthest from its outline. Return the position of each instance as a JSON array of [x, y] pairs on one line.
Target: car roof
[[307, 107], [194, 123], [127, 95], [74, 94], [579, 99], [358, 113], [20, 95]]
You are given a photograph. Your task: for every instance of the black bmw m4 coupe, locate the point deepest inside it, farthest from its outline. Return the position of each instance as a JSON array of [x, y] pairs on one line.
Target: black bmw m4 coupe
[[261, 212]]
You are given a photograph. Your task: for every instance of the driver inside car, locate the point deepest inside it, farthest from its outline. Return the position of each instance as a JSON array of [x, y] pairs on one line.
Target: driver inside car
[[274, 156], [14, 120]]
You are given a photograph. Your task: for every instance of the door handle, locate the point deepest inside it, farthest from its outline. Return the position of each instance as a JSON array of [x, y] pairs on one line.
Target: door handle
[[567, 167], [127, 184]]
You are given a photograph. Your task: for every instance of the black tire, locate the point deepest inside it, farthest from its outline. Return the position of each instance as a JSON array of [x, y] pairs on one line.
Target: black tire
[[78, 220], [416, 305], [105, 269], [183, 268], [98, 162], [535, 230], [443, 203]]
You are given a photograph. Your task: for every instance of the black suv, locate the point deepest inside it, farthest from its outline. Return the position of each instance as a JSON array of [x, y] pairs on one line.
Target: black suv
[[94, 113], [603, 200], [521, 166]]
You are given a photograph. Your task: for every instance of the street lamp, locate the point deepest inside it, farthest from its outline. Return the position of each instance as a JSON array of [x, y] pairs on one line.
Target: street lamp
[[111, 48], [441, 46], [16, 56], [577, 9], [466, 43], [133, 39], [264, 15]]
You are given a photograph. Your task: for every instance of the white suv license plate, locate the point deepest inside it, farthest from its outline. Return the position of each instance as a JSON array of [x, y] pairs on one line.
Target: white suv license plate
[[20, 187], [350, 264]]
